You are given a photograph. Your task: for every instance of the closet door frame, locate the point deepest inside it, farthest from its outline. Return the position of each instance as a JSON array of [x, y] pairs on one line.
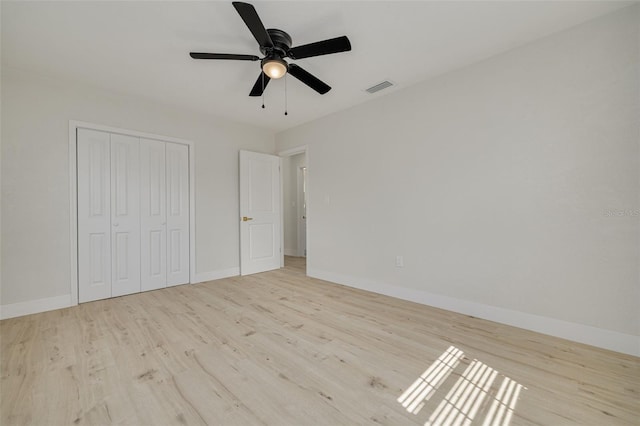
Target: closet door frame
[[74, 125]]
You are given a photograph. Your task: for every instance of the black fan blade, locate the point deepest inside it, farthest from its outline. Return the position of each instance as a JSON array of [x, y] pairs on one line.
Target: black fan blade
[[260, 85], [325, 47], [308, 79], [197, 55], [252, 20]]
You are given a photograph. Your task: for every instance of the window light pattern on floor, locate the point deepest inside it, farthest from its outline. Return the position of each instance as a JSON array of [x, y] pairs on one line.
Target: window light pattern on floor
[[463, 400], [504, 404], [471, 397], [414, 398]]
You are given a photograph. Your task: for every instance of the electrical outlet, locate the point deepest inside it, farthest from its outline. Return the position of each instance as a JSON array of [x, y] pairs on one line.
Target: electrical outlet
[[399, 262]]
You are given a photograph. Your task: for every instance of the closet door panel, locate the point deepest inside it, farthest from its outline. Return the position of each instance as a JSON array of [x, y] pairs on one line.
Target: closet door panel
[[153, 214], [94, 215], [125, 215], [177, 168]]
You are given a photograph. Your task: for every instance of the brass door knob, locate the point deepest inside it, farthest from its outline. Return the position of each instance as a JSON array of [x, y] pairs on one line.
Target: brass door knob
[[244, 218]]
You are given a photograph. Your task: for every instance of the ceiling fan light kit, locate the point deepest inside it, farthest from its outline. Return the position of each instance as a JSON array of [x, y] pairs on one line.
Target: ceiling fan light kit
[[274, 68], [275, 45]]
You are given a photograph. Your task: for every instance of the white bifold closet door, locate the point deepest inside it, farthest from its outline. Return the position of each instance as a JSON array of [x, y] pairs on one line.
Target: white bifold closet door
[[125, 215], [133, 214], [94, 215], [153, 209], [177, 213]]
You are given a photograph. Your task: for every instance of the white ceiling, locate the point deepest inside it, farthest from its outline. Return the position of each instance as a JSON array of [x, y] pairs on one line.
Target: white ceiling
[[141, 48]]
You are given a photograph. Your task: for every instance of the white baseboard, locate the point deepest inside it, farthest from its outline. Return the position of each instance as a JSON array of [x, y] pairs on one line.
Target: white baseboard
[[58, 302], [290, 252], [35, 306], [607, 339], [216, 275]]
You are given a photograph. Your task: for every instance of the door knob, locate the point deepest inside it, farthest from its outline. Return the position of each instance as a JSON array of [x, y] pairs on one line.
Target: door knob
[[244, 218]]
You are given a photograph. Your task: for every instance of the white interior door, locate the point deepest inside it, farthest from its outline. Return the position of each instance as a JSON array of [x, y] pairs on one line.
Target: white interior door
[[125, 215], [260, 212], [153, 215], [94, 215], [177, 166]]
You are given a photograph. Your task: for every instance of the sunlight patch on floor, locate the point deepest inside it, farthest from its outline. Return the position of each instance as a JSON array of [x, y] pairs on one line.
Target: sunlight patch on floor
[[504, 404], [474, 395], [413, 399]]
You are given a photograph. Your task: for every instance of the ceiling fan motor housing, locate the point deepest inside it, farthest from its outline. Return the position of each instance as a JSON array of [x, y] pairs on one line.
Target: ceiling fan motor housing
[[281, 44]]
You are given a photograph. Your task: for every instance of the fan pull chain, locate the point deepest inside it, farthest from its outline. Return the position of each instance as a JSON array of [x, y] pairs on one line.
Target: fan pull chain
[[262, 75], [285, 95]]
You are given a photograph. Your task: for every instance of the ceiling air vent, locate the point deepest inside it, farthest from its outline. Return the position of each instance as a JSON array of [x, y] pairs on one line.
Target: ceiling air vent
[[380, 86]]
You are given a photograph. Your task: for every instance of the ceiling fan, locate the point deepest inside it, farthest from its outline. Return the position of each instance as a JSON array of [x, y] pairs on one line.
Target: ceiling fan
[[275, 45]]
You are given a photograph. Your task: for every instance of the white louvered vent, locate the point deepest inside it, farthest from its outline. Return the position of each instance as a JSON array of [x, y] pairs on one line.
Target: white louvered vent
[[380, 86]]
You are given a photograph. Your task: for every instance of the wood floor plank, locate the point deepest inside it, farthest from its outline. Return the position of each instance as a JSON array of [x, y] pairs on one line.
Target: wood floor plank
[[279, 348]]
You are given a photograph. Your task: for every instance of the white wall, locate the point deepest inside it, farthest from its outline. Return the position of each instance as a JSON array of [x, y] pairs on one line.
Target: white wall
[[290, 166], [495, 183], [0, 166], [35, 177]]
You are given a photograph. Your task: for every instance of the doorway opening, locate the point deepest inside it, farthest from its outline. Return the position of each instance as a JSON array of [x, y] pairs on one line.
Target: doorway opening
[[302, 210], [294, 209]]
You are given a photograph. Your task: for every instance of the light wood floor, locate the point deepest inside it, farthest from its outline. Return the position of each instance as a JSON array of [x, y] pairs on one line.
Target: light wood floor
[[279, 348]]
